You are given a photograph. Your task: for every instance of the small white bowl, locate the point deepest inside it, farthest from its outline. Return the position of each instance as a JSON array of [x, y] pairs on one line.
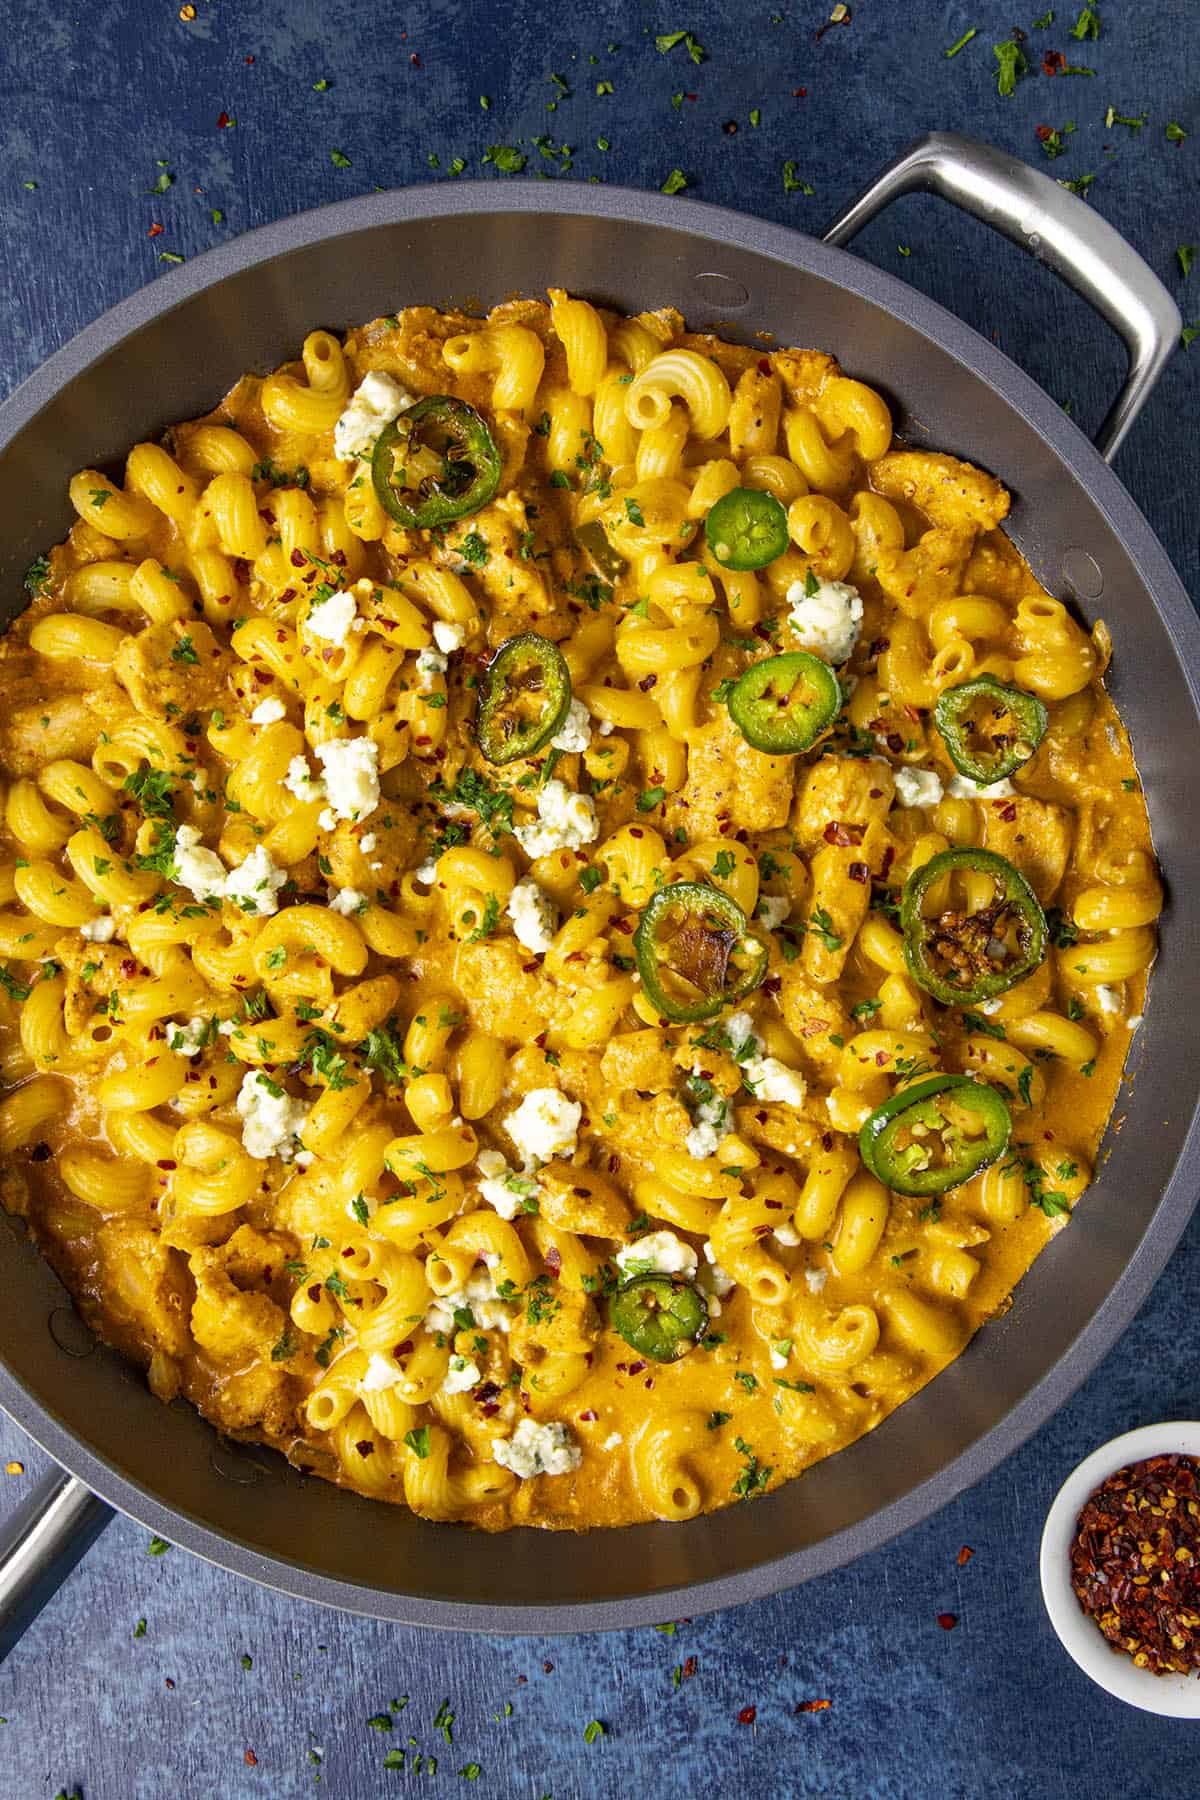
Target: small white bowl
[[1174, 1696]]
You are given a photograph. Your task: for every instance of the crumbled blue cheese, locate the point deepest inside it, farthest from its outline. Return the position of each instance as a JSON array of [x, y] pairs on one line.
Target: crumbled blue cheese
[[781, 1353], [566, 821], [448, 636], [575, 733], [772, 910], [918, 787], [196, 868], [271, 1119], [544, 1125], [816, 1279], [382, 1372], [430, 664], [533, 915], [765, 1076], [347, 901], [479, 1294], [99, 931], [612, 1441], [711, 1122], [461, 1376], [659, 1253], [827, 621], [189, 1039], [961, 787], [252, 886], [269, 711], [713, 1278], [537, 1449], [503, 1189], [1108, 999], [787, 1235], [301, 781], [333, 617], [378, 399], [351, 768]]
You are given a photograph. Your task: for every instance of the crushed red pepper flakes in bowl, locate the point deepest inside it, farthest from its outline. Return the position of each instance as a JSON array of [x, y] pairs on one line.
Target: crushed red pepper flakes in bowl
[[1135, 1562]]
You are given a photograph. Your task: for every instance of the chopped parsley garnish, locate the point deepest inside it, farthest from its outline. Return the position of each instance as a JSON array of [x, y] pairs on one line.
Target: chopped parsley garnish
[[1013, 64]]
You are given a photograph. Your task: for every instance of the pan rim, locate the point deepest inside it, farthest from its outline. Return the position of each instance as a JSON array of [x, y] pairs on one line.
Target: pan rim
[[711, 228]]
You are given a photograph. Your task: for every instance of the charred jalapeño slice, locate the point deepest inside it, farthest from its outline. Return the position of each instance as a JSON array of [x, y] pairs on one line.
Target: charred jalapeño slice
[[746, 529], [525, 697], [437, 462], [935, 1135], [658, 1317], [968, 952], [784, 703], [696, 951], [989, 729]]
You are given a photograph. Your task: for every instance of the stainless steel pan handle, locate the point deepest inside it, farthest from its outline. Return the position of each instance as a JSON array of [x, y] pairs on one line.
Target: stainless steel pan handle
[[40, 1545], [1059, 229]]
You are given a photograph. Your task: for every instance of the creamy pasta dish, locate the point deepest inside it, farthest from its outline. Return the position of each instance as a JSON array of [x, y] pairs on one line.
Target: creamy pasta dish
[[572, 912]]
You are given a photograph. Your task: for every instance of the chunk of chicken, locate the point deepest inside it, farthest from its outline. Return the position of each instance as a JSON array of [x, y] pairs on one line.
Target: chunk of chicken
[[1035, 835], [947, 491]]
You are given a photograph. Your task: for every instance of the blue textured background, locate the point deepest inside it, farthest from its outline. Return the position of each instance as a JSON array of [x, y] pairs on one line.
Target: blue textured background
[[92, 103]]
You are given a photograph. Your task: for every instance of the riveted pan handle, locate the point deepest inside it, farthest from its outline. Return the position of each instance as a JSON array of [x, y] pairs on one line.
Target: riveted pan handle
[[1056, 227], [40, 1545]]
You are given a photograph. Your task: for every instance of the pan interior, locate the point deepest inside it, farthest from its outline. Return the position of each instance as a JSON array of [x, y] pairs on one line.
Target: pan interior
[[246, 1508]]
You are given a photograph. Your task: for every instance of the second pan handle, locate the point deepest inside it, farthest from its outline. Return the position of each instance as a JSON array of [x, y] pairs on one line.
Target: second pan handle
[[1057, 228], [41, 1544]]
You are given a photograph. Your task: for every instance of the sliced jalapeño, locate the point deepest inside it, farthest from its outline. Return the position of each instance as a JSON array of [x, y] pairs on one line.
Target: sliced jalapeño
[[696, 951], [784, 703], [525, 697], [989, 730], [746, 529], [935, 1135], [969, 952], [436, 463], [658, 1317]]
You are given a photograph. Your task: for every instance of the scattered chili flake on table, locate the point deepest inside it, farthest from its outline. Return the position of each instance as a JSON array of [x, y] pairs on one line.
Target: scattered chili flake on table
[[814, 1706], [251, 1759], [965, 1555], [1134, 1562], [947, 1621], [747, 1715]]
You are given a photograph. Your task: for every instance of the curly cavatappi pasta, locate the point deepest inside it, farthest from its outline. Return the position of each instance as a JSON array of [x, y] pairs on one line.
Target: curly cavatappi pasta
[[335, 1084]]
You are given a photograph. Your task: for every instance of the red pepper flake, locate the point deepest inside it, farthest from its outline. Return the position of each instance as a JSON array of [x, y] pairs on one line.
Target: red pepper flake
[[169, 1682], [859, 872], [635, 1368], [589, 1417], [691, 1664], [1043, 133], [251, 1760], [155, 231], [1008, 812], [415, 60], [1135, 1562], [223, 121], [814, 1706], [553, 1260], [947, 1621], [964, 1556], [799, 93], [547, 1668], [747, 1715], [844, 836], [764, 365], [1053, 63]]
